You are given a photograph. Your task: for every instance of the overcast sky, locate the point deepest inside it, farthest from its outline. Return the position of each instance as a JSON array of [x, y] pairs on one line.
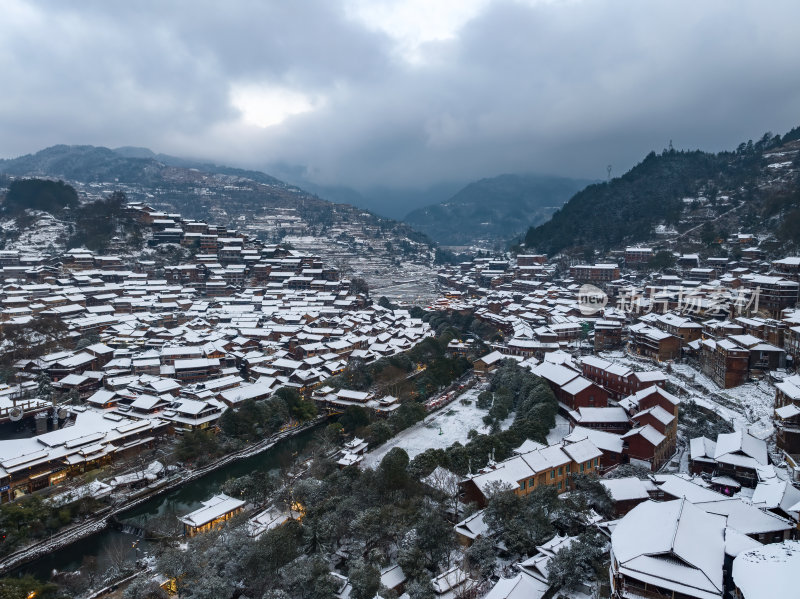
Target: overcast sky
[[365, 92]]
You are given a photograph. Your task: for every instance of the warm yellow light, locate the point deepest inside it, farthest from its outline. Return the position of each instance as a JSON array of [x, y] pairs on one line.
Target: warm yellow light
[[298, 507]]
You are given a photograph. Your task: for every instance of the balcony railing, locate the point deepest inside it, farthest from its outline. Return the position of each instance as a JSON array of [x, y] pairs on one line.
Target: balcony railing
[[629, 591]]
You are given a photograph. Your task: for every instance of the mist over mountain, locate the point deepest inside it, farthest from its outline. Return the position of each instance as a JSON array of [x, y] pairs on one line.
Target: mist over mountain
[[494, 209], [385, 200]]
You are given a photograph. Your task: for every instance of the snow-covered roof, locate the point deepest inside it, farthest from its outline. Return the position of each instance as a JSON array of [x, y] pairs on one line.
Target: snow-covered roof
[[393, 576], [777, 494], [555, 373], [769, 571], [73, 379], [91, 429], [702, 448], [736, 542], [789, 389], [787, 411], [101, 396], [351, 395], [268, 519], [472, 526], [673, 545], [745, 517], [526, 465], [576, 385], [492, 357], [146, 402], [214, 508], [601, 439], [528, 445], [449, 580], [595, 362], [610, 414], [740, 442], [656, 412], [631, 403], [648, 433], [650, 376], [694, 489], [582, 451], [245, 392], [626, 489]]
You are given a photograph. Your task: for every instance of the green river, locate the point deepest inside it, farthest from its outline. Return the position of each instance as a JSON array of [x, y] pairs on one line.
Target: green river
[[181, 500]]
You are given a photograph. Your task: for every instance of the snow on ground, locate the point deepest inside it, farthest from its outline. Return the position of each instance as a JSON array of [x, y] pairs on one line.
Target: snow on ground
[[748, 406], [386, 274], [439, 430], [559, 431], [450, 424], [684, 461], [45, 231]]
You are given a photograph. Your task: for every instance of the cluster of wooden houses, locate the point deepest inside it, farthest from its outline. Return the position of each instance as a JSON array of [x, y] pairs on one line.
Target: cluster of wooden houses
[[734, 322], [172, 349], [627, 414], [672, 535]]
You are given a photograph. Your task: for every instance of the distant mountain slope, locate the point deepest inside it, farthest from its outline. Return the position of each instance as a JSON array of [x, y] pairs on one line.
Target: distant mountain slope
[[223, 194], [746, 182], [388, 201], [194, 191], [134, 152], [391, 202], [88, 163], [126, 165], [494, 209]]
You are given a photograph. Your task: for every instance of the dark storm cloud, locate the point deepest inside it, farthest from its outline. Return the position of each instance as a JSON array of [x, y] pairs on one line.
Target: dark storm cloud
[[144, 72], [561, 87]]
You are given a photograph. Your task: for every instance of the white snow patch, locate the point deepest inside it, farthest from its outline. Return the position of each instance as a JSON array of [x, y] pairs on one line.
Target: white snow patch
[[559, 431], [43, 232], [749, 406], [439, 430]]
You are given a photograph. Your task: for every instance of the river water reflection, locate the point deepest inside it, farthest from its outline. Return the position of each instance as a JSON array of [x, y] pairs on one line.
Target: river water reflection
[[108, 544]]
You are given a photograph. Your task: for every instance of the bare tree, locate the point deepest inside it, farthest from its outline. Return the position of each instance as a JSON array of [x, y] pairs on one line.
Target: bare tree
[[90, 569], [342, 264], [120, 555], [446, 482]]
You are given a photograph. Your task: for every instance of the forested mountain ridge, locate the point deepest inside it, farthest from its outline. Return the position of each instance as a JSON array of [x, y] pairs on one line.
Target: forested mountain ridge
[[494, 209], [125, 165], [226, 195], [195, 192], [755, 187]]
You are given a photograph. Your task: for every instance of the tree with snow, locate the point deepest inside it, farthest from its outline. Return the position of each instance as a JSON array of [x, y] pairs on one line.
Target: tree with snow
[[365, 579], [394, 468], [522, 522], [481, 556], [581, 562], [144, 588]]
